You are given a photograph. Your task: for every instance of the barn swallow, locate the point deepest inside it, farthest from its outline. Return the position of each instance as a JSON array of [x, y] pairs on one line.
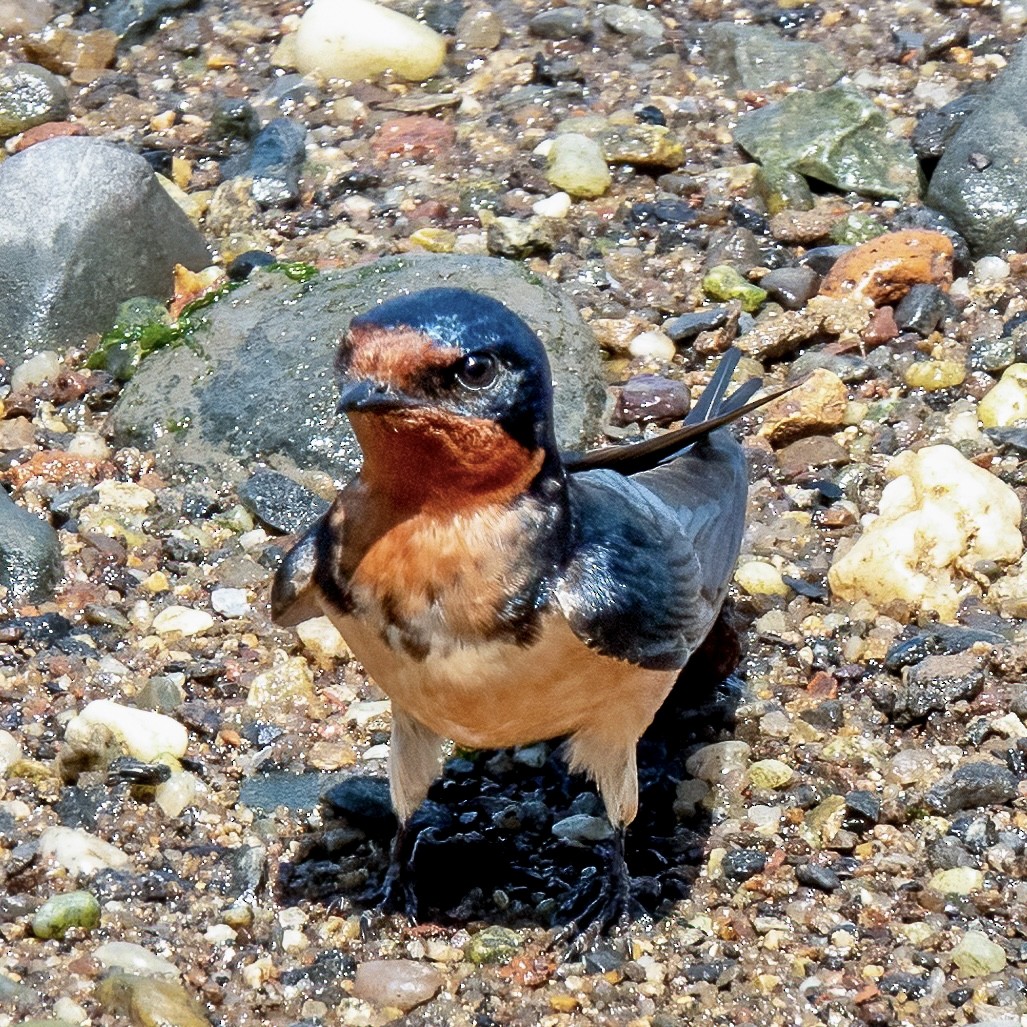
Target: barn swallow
[[500, 592]]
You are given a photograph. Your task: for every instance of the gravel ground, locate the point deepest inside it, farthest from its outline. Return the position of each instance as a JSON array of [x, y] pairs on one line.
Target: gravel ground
[[833, 826]]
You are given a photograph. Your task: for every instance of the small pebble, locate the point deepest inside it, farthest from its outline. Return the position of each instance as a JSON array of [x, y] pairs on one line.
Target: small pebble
[[357, 39], [760, 578], [149, 1001], [62, 913], [29, 95], [1005, 404], [791, 287], [712, 762], [957, 881], [990, 271], [580, 828], [134, 959], [652, 345], [182, 620], [771, 773], [79, 852], [649, 398], [229, 602], [977, 955], [575, 165], [145, 735], [725, 283], [933, 375], [492, 945]]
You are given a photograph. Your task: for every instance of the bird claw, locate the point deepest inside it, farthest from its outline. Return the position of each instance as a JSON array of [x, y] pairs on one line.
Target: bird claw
[[397, 894], [612, 909]]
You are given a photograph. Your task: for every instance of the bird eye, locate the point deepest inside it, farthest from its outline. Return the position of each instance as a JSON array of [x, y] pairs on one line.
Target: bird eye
[[477, 370]]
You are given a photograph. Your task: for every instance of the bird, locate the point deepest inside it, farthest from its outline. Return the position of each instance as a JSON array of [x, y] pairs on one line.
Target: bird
[[502, 592]]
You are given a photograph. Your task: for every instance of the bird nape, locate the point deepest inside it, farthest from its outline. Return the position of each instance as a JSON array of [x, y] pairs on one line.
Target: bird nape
[[503, 593]]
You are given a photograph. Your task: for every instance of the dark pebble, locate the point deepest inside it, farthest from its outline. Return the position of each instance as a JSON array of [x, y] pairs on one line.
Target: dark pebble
[[862, 810], [741, 864], [279, 503], [260, 733], [911, 985], [822, 258], [936, 128], [159, 161], [30, 554], [960, 996], [69, 502], [322, 979], [792, 287], [203, 718], [602, 961], [127, 770], [650, 115], [275, 160], [947, 852], [972, 785], [234, 118], [976, 833], [688, 326], [648, 398], [241, 266], [940, 639], [828, 716], [559, 23], [813, 875], [363, 801], [923, 309], [131, 18], [707, 973]]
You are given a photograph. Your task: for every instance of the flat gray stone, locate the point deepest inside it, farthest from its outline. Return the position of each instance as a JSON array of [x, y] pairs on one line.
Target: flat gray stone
[[30, 554], [85, 225], [254, 384], [981, 180], [756, 57]]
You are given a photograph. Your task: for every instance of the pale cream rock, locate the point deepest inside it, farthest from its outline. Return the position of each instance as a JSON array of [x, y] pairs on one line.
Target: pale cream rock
[[358, 40], [133, 959], [652, 345], [124, 495], [79, 852], [183, 620], [939, 516], [321, 638], [714, 761], [556, 206], [105, 725], [289, 680], [39, 368], [576, 165], [760, 578], [1005, 403], [977, 955], [180, 790], [10, 751]]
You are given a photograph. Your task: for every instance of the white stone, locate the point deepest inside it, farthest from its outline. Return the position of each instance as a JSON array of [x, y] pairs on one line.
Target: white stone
[[230, 602], [133, 959], [70, 1011], [10, 751], [990, 271], [357, 40], [79, 852], [760, 578], [556, 206], [377, 752], [124, 495], [653, 345], [180, 790], [321, 638], [939, 514], [148, 736], [89, 444], [576, 165], [185, 620], [1005, 403], [714, 761], [39, 368], [361, 713]]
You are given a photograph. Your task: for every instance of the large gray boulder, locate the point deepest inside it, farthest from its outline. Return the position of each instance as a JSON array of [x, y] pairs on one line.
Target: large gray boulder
[[30, 555], [981, 180], [84, 225], [254, 383]]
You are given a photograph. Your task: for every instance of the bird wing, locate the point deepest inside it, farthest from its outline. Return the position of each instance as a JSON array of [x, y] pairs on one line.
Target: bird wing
[[294, 592]]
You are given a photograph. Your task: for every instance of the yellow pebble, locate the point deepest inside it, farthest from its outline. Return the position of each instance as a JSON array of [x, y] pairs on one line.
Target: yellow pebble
[[933, 375]]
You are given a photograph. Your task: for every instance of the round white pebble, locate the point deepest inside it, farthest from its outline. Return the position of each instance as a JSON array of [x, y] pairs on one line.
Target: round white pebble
[[652, 345]]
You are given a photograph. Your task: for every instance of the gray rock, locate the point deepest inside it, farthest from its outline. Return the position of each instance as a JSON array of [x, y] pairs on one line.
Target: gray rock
[[276, 158], [29, 96], [972, 785], [255, 384], [981, 179], [131, 18], [279, 503], [936, 129], [581, 828], [755, 57], [838, 136], [792, 287], [559, 23], [30, 555], [85, 225]]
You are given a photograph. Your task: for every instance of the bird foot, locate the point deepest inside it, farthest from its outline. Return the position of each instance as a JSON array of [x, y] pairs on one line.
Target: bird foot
[[396, 895], [612, 909]]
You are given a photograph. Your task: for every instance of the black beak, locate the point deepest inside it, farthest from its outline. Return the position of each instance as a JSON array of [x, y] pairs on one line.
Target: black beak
[[365, 394]]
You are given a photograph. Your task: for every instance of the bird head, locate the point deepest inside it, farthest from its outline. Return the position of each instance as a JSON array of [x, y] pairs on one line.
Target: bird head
[[449, 392]]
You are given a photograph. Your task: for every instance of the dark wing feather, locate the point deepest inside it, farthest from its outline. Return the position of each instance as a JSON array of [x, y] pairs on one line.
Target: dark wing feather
[[711, 411]]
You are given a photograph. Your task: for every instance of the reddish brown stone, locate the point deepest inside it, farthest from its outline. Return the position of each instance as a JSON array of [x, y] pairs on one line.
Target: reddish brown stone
[[59, 469], [882, 327], [886, 268], [417, 137], [50, 130]]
